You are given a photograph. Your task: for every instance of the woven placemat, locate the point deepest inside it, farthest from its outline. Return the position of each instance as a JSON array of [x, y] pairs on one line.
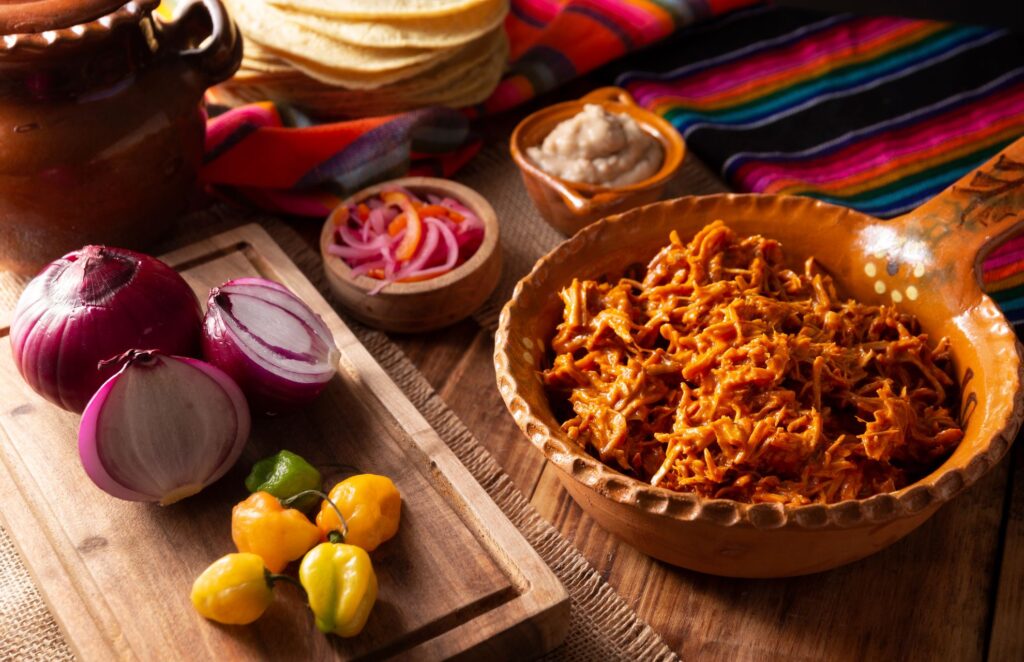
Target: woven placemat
[[603, 626]]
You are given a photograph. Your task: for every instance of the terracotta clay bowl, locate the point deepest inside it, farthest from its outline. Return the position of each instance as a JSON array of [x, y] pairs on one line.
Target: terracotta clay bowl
[[568, 206], [926, 261], [428, 304]]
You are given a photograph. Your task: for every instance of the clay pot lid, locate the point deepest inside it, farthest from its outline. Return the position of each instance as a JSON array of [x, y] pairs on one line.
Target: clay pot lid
[[33, 16]]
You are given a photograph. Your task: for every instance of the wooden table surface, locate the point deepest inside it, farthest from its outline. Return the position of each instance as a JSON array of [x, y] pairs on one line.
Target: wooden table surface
[[951, 590]]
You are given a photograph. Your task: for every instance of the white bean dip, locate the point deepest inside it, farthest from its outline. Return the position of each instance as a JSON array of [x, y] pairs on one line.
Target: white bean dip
[[598, 147]]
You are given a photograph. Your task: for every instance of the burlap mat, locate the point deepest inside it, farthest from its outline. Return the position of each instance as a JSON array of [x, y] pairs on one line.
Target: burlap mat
[[603, 627]]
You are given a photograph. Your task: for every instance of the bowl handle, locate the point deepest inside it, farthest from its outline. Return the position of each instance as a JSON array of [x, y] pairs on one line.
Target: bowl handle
[[217, 56], [580, 204], [610, 93], [954, 230]]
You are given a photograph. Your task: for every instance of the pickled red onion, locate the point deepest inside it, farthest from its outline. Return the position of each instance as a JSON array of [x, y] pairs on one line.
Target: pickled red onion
[[450, 233]]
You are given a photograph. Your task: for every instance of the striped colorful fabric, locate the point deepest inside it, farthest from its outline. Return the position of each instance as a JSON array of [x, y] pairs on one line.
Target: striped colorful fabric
[[553, 41], [276, 159], [875, 113], [1002, 276]]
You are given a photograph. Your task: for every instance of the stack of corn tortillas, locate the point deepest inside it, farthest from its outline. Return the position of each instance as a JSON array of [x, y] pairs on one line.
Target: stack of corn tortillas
[[352, 58]]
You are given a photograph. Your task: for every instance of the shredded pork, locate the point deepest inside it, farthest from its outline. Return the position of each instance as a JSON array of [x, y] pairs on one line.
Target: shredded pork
[[720, 371]]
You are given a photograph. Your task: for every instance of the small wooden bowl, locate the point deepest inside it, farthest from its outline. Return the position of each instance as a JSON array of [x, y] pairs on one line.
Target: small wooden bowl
[[569, 206], [429, 304], [925, 261]]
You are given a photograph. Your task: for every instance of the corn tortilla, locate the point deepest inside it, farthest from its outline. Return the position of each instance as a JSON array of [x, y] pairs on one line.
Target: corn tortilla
[[270, 28], [472, 85], [379, 9], [436, 32], [364, 81], [481, 54]]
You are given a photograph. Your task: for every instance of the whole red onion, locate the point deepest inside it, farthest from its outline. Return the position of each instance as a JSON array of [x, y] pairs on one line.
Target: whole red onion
[[94, 304]]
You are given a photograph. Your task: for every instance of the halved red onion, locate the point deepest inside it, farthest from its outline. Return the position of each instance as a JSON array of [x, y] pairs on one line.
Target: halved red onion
[[94, 304], [162, 428], [278, 350]]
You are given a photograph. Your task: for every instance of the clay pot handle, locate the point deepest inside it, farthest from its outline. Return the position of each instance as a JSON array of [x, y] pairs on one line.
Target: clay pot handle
[[219, 54], [578, 203], [611, 93], [961, 224]]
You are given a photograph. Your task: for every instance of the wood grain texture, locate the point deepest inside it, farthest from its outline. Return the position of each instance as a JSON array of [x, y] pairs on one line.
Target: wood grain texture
[[929, 596], [457, 578], [457, 362], [1007, 641], [893, 605], [939, 605]]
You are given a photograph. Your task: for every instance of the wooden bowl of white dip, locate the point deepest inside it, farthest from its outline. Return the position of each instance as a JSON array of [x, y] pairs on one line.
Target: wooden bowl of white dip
[[592, 169]]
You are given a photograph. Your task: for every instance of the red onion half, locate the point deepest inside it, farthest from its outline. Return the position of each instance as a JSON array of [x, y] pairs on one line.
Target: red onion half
[[278, 350], [94, 304], [162, 428]]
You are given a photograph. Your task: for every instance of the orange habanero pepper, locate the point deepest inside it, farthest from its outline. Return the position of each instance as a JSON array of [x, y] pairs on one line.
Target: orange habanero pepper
[[279, 535]]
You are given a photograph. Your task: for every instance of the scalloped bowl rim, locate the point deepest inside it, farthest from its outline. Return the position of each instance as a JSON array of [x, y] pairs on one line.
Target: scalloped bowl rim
[[931, 490]]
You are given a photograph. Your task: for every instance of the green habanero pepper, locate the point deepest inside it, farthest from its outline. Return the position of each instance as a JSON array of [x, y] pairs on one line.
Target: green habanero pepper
[[341, 586], [284, 475]]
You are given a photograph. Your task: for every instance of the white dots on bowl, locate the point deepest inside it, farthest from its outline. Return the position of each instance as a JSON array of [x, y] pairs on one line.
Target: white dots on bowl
[[527, 356], [528, 343], [911, 292]]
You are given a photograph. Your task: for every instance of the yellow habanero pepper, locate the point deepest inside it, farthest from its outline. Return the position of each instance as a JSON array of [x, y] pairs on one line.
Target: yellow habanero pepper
[[279, 535], [235, 589], [371, 506], [341, 586]]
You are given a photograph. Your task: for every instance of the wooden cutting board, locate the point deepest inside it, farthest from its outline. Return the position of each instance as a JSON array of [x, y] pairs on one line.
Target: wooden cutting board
[[458, 579]]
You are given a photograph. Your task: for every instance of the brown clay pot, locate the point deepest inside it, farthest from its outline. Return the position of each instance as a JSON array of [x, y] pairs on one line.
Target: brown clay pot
[[101, 120], [568, 206], [925, 261]]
